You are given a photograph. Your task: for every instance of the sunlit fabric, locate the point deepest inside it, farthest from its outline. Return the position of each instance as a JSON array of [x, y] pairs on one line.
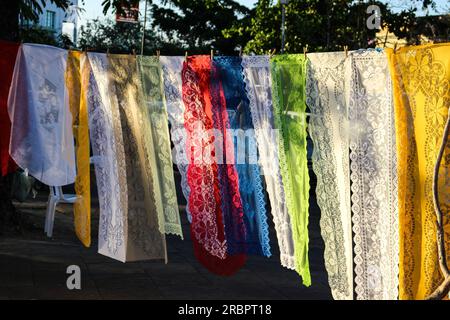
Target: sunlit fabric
[[421, 77], [129, 227], [205, 203], [229, 77], [77, 82], [41, 122], [288, 87]]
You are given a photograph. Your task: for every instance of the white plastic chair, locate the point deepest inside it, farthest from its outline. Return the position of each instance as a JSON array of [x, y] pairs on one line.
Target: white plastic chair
[[56, 196]]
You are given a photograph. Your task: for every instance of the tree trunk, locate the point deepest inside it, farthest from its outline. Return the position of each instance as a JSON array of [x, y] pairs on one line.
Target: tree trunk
[[9, 23]]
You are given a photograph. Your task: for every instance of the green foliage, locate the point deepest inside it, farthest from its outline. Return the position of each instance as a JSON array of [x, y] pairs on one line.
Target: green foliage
[[323, 25], [101, 35], [37, 34], [197, 25]]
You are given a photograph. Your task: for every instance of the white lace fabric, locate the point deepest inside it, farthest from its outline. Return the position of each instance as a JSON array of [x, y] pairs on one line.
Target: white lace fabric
[[129, 225], [41, 122], [172, 67], [258, 86], [373, 176], [328, 125]]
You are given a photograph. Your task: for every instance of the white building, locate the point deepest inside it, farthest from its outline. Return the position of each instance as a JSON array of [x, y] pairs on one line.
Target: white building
[[60, 21]]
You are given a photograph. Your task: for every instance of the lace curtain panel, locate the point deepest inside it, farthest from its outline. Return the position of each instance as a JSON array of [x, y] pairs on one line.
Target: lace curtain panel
[[171, 68], [41, 122], [205, 203], [421, 77], [373, 176], [258, 84], [129, 225], [232, 209], [77, 81], [8, 53], [328, 127], [161, 166], [355, 160], [288, 87], [229, 75]]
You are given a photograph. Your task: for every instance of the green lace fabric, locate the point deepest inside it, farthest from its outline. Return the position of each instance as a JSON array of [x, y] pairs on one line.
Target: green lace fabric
[[162, 169], [289, 80]]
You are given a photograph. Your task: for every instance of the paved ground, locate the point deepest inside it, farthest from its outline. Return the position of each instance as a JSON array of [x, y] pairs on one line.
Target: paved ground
[[34, 267]]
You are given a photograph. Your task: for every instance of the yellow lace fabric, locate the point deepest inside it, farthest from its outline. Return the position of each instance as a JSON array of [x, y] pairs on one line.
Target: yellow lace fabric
[[77, 79], [421, 77]]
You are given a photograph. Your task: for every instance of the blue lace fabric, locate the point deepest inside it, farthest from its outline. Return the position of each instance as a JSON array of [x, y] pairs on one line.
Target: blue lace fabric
[[230, 74]]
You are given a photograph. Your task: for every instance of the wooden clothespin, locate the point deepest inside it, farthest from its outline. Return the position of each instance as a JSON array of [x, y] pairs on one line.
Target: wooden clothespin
[[107, 51], [240, 52], [158, 54], [305, 50], [346, 51], [212, 54], [395, 47], [134, 52], [272, 52], [185, 56]]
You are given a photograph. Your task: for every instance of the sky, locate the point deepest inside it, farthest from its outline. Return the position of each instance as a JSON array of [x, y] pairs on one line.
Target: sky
[[93, 8]]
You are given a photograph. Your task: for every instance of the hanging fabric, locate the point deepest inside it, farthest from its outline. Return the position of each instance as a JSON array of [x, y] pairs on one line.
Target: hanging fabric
[[328, 127], [129, 227], [77, 81], [232, 209], [421, 77], [38, 106], [205, 203], [258, 84], [161, 166], [373, 176], [172, 67], [288, 79], [228, 72], [8, 53]]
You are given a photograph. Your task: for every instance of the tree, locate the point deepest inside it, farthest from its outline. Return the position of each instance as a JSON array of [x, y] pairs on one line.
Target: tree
[[117, 37], [196, 25], [323, 25]]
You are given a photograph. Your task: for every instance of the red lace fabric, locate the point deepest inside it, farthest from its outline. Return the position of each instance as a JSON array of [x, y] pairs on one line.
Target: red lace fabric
[[8, 52], [207, 228]]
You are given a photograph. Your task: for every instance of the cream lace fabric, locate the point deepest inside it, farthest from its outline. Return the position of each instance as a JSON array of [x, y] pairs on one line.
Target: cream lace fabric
[[41, 123], [172, 67], [258, 82], [328, 127], [129, 228], [373, 176], [162, 171]]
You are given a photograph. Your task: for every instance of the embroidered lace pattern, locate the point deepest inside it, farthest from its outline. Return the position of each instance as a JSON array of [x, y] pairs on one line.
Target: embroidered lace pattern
[[108, 158], [258, 83], [232, 209], [328, 127], [207, 229], [172, 67], [245, 149], [288, 87], [421, 80], [373, 176], [163, 179]]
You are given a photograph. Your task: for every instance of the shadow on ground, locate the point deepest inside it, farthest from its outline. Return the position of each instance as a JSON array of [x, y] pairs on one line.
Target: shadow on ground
[[34, 267]]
